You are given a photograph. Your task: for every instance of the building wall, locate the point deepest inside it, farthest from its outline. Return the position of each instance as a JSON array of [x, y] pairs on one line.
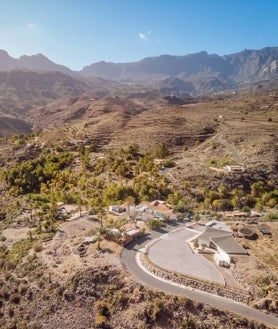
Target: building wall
[[223, 255]]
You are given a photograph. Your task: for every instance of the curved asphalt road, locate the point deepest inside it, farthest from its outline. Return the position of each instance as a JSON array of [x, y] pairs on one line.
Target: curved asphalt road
[[129, 262]]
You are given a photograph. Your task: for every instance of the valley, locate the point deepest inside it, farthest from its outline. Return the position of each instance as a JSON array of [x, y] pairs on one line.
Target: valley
[[94, 172]]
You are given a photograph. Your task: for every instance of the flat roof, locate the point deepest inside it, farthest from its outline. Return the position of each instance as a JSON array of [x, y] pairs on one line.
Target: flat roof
[[212, 233], [229, 244], [132, 232]]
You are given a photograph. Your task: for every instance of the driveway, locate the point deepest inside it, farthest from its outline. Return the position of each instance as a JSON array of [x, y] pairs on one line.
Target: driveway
[[172, 252], [128, 261]]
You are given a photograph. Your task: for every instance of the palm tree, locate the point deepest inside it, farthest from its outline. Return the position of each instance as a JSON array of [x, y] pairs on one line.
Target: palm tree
[[98, 239], [100, 213], [130, 200]]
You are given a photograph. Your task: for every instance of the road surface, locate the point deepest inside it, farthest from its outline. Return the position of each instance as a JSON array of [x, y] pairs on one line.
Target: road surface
[[146, 278]]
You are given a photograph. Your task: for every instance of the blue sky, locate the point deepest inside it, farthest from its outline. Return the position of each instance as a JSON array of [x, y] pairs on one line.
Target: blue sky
[[76, 33]]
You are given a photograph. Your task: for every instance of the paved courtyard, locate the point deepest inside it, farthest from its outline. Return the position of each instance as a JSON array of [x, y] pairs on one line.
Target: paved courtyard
[[172, 252]]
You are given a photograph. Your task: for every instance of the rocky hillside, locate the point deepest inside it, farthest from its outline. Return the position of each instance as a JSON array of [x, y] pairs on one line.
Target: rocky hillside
[[21, 90], [10, 125], [38, 63], [105, 297], [222, 72], [207, 72]]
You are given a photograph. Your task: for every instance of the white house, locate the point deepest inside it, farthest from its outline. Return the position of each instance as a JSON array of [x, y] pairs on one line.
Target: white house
[[234, 168], [223, 242]]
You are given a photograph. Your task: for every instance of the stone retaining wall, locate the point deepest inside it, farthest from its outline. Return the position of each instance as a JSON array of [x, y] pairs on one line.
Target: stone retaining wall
[[239, 296]]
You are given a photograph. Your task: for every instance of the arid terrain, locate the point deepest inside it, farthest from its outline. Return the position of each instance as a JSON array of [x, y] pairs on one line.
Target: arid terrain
[[68, 154]]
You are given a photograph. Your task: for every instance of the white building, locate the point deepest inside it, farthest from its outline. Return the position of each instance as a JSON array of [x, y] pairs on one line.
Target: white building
[[223, 242]]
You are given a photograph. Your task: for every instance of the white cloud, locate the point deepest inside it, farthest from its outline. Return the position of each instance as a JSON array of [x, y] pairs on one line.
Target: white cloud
[[31, 26], [143, 37]]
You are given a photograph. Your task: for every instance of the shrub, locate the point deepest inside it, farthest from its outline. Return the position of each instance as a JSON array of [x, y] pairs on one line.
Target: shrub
[[168, 163], [38, 246], [15, 298], [154, 223], [213, 161], [245, 209], [161, 151], [196, 216], [155, 308], [188, 323], [182, 208], [2, 215], [100, 320], [22, 288], [272, 216], [103, 311], [11, 312]]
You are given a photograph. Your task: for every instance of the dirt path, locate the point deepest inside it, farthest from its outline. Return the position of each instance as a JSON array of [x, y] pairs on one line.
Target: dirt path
[[13, 235], [230, 147]]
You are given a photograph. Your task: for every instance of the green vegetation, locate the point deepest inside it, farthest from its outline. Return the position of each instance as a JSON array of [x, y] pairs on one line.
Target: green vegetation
[[168, 163], [154, 224], [258, 196], [265, 284], [19, 250], [161, 151], [28, 176], [156, 308]]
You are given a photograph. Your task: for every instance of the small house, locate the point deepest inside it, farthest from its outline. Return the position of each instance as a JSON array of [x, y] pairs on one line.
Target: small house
[[235, 169], [115, 209], [223, 242]]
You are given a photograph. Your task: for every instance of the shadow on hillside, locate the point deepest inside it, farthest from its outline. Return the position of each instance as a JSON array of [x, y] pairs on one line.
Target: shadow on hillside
[[137, 244], [161, 230]]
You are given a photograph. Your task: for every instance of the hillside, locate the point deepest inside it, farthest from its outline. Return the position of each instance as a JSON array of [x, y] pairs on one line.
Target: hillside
[[73, 146], [37, 63], [21, 91], [202, 72], [204, 124], [11, 126], [60, 264], [230, 71], [51, 101]]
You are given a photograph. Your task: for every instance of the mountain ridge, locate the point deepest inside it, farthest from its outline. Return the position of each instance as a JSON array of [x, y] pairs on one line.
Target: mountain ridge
[[237, 68], [187, 75], [37, 63]]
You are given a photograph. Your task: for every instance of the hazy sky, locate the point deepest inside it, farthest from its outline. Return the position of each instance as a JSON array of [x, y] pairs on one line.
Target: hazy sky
[[76, 33]]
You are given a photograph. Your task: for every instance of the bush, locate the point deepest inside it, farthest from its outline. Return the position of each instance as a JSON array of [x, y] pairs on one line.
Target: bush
[[213, 162], [38, 246], [11, 312], [154, 224], [272, 216], [161, 151], [2, 215], [245, 209], [168, 163], [188, 324], [155, 308], [182, 208], [15, 298]]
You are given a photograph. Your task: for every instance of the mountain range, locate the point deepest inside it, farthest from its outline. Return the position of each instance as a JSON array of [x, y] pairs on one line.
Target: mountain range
[[214, 71], [34, 87]]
